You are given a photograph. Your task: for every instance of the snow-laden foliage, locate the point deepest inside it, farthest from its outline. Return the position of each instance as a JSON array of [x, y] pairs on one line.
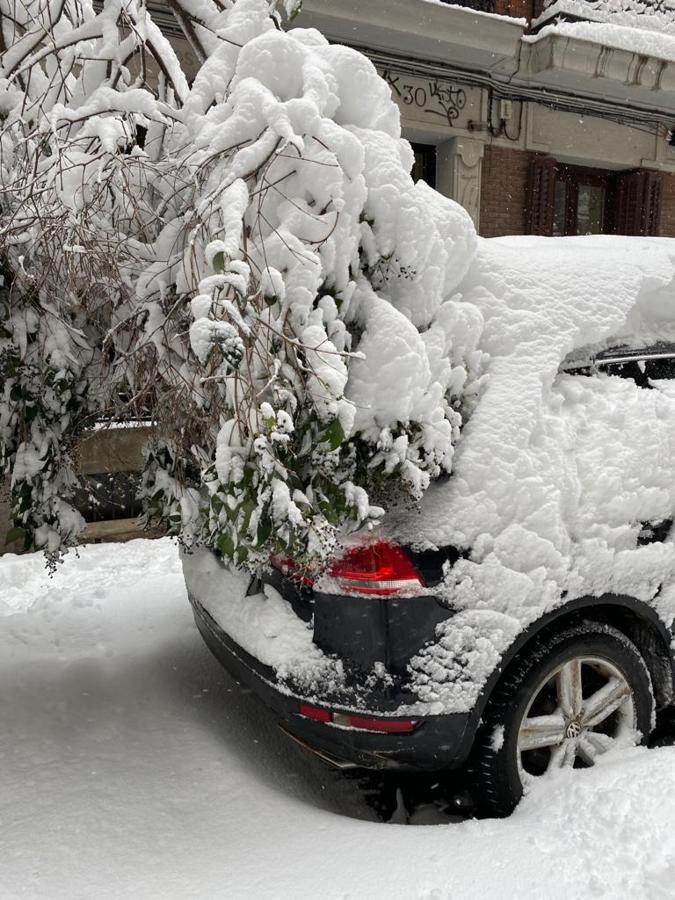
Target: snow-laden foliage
[[73, 217], [245, 259]]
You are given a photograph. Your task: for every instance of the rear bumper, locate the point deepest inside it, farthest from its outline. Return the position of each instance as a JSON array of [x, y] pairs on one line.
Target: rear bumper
[[440, 742]]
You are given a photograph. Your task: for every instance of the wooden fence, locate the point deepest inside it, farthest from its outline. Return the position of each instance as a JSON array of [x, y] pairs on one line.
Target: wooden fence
[[107, 451]]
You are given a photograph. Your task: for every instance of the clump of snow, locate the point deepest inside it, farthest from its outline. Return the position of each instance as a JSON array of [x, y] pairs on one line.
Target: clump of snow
[[261, 622], [325, 284], [644, 42], [497, 739], [295, 102], [449, 674]]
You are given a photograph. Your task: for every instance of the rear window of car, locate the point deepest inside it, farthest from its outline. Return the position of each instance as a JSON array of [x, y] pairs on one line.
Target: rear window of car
[[643, 366]]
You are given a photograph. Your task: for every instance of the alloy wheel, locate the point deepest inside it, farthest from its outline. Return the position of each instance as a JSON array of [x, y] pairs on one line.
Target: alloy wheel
[[578, 712]]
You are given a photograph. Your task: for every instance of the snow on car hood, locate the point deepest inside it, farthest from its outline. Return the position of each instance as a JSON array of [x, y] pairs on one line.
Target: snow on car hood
[[554, 473]]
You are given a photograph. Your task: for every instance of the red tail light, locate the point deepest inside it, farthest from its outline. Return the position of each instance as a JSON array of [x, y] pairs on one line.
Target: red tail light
[[376, 568], [362, 723], [318, 713], [384, 726]]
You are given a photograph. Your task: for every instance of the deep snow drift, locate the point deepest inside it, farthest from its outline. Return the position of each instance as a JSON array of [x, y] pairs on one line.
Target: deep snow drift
[[133, 767]]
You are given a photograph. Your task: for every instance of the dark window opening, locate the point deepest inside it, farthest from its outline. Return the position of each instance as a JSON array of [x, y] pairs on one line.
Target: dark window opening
[[424, 166], [633, 371], [660, 369]]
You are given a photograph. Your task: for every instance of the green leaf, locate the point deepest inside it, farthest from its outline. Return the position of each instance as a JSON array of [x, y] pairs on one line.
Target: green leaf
[[334, 434], [15, 534], [264, 531], [330, 513], [242, 554], [226, 546], [219, 262], [247, 508]]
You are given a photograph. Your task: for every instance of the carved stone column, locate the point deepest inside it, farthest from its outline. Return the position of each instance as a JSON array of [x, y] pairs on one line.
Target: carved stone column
[[458, 171]]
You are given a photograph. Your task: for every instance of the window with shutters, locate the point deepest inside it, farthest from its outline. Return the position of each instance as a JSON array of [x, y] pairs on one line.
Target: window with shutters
[[638, 204], [574, 200], [584, 201]]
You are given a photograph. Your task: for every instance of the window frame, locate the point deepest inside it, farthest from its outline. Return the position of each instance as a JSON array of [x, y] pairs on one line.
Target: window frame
[[574, 177]]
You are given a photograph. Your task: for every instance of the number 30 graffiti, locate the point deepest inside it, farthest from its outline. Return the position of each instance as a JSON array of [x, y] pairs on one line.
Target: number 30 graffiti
[[436, 98]]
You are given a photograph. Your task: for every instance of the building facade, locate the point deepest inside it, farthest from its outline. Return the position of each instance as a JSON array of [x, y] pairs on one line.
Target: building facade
[[532, 129]]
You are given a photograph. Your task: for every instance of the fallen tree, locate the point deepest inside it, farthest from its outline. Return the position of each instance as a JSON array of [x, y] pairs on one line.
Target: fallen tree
[[244, 260]]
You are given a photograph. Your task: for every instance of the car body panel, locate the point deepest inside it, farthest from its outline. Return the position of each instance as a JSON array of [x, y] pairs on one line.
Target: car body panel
[[439, 742]]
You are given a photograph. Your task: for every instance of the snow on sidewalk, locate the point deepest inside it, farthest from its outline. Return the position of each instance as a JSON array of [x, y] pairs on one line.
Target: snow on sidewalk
[[131, 766]]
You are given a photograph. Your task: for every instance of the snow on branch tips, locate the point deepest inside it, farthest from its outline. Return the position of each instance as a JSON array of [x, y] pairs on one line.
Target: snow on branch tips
[[247, 261]]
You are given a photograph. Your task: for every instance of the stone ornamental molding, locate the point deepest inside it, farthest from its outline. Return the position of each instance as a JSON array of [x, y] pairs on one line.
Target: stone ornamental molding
[[465, 157]]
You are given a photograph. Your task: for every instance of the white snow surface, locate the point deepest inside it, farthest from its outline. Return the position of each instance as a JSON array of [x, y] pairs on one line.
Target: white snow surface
[[132, 766], [646, 42], [639, 27]]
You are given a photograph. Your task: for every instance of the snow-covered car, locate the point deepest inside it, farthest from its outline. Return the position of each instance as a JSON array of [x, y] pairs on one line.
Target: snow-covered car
[[520, 618]]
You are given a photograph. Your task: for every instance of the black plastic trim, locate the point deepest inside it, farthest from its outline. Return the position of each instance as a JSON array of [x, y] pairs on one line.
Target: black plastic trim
[[440, 742]]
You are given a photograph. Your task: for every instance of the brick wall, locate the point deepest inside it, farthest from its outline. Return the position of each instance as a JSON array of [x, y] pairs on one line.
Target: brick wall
[[504, 191], [667, 223], [520, 9]]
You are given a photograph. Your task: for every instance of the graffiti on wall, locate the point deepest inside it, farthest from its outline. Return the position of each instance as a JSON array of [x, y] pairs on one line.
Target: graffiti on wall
[[430, 96]]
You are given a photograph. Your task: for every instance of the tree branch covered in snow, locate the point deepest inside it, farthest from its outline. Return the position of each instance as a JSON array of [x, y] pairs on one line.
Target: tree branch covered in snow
[[246, 259]]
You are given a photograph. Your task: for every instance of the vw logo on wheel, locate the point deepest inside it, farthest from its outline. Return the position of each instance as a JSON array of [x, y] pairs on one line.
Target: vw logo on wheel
[[573, 730]]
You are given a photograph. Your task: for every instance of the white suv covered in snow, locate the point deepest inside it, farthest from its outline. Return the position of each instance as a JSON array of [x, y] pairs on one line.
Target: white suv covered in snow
[[521, 617]]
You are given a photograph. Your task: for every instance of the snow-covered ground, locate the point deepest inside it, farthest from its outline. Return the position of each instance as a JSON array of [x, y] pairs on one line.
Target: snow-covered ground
[[132, 766]]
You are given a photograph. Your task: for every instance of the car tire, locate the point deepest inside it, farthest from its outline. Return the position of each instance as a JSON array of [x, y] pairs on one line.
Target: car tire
[[526, 710]]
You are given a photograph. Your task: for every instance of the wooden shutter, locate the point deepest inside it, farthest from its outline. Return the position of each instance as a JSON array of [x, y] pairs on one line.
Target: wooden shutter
[[541, 196], [638, 203]]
